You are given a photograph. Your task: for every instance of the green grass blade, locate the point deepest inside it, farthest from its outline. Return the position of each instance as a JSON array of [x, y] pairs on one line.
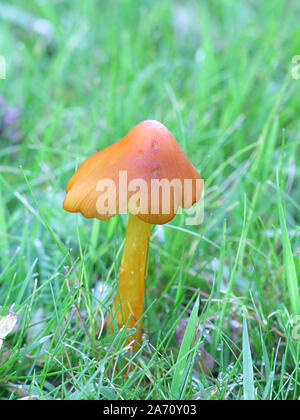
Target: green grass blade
[[288, 259], [184, 352], [248, 379]]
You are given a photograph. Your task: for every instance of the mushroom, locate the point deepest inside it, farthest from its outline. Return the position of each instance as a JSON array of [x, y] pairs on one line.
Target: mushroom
[[149, 175]]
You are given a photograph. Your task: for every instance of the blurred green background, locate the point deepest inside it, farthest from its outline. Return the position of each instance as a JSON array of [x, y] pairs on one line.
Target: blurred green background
[[79, 76]]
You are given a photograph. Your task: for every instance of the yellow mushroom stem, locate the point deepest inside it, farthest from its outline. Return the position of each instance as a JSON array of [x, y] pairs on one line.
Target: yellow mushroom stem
[[129, 300]]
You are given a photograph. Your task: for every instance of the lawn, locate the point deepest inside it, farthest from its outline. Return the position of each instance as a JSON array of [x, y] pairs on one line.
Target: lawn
[[222, 318]]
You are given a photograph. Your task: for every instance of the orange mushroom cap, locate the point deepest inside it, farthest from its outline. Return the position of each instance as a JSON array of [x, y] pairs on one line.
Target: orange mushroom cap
[[151, 175]]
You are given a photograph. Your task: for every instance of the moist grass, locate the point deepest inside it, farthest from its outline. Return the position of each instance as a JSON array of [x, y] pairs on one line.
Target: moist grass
[[222, 298]]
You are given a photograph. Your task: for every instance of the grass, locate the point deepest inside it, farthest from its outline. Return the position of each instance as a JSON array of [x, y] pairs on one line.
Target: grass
[[217, 74]]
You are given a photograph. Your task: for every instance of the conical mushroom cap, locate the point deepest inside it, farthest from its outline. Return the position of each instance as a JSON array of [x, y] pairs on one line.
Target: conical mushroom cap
[[145, 173]]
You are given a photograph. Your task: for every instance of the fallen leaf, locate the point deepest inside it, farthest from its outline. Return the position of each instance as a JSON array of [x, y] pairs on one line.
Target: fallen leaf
[[7, 324]]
